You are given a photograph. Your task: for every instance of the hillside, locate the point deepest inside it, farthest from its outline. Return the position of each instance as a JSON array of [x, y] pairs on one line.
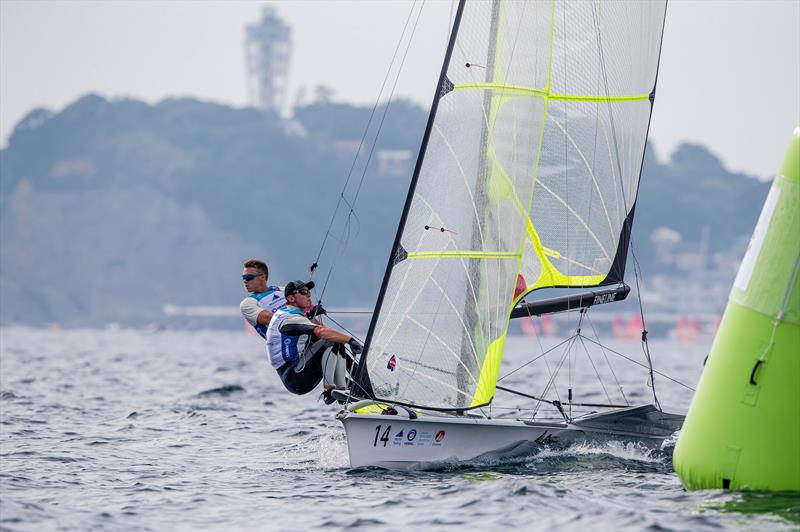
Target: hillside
[[111, 209]]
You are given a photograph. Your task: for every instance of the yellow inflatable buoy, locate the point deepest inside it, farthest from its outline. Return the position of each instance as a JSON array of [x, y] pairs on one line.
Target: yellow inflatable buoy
[[743, 426]]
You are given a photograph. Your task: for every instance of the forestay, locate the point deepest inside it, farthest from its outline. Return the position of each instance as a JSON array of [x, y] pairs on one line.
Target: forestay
[[529, 172]]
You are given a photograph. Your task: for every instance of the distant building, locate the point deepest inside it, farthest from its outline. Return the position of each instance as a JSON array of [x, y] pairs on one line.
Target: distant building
[[394, 163], [268, 50], [346, 148], [665, 241]]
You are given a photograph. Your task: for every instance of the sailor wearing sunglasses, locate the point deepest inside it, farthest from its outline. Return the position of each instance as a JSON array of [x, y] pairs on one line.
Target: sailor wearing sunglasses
[[263, 300], [304, 352]]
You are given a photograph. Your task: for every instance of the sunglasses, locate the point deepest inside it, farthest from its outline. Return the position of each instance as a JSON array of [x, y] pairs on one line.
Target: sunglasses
[[250, 276], [302, 292]]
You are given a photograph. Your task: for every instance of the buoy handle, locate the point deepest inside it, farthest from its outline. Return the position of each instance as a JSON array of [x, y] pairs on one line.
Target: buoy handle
[[753, 373]]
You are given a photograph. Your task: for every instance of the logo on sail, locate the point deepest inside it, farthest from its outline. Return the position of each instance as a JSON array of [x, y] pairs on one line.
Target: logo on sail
[[412, 434], [391, 364], [439, 436], [605, 298]]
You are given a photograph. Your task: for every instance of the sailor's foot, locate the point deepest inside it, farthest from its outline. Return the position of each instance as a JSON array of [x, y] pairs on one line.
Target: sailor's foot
[[342, 395], [326, 396]]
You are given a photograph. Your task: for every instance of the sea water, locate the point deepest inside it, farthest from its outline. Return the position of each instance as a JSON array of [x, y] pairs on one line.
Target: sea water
[[138, 430]]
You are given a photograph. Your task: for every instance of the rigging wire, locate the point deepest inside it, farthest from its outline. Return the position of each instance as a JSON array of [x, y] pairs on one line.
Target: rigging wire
[[345, 329], [342, 197], [535, 359], [551, 381], [608, 363], [579, 336], [594, 367], [351, 212], [567, 354], [629, 359], [645, 344], [541, 348]]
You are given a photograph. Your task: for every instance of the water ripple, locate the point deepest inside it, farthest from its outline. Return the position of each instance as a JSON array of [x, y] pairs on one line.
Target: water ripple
[[106, 430]]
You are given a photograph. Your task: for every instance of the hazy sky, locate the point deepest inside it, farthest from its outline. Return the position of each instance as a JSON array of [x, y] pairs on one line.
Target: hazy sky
[[729, 78]]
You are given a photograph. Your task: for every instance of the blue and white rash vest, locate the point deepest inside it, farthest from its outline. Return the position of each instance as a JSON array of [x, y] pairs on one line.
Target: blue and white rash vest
[[284, 348], [271, 299]]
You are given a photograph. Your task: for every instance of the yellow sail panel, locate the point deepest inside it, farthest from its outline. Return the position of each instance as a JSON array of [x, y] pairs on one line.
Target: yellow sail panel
[[549, 275], [489, 372]]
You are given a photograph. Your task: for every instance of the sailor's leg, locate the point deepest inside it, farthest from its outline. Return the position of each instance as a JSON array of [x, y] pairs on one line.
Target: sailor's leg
[[307, 373], [327, 360], [340, 374], [303, 381], [329, 369]]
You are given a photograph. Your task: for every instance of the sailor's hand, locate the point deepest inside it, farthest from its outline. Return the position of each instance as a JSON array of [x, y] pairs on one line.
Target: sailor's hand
[[317, 310], [355, 346]]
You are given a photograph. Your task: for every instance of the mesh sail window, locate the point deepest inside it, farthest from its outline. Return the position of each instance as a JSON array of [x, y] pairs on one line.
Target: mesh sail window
[[530, 167]]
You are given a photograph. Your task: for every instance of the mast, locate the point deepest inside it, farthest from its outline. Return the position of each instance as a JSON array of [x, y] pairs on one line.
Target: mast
[[361, 378]]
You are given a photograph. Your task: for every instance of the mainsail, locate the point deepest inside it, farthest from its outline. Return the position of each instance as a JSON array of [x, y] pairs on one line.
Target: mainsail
[[529, 168]]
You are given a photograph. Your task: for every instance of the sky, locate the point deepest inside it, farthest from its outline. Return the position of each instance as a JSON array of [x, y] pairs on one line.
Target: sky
[[729, 74]]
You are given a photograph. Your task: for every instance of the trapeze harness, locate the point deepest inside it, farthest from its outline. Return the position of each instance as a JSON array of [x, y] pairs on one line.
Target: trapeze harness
[[271, 300], [298, 366]]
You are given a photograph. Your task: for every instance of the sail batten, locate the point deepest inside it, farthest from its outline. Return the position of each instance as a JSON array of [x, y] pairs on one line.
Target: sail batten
[[463, 254], [530, 176], [516, 89]]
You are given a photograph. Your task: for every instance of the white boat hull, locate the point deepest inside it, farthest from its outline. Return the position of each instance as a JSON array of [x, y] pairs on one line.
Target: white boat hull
[[397, 442]]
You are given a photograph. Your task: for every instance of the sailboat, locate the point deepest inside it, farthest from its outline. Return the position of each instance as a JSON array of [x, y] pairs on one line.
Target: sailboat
[[526, 179]]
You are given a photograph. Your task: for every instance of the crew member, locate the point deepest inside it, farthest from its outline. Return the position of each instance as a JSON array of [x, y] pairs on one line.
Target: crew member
[[304, 352], [263, 300]]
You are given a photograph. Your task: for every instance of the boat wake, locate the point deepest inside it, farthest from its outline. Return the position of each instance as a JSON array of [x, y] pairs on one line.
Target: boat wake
[[325, 452], [578, 457], [601, 456], [622, 450], [331, 450]]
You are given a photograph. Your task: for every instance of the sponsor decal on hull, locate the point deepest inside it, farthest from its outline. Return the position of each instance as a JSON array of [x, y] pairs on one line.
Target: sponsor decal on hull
[[384, 435]]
